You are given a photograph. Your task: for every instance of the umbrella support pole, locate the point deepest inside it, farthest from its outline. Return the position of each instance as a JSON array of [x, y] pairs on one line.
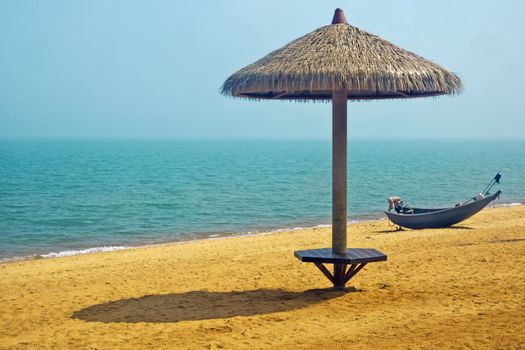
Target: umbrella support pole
[[339, 182], [339, 178]]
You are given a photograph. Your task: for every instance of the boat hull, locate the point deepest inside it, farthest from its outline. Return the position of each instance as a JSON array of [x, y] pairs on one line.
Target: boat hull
[[441, 218]]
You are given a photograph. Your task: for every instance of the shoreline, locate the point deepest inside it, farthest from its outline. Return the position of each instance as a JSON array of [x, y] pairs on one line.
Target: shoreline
[[204, 237], [193, 238]]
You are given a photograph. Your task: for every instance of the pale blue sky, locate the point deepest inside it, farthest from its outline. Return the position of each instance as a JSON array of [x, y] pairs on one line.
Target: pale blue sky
[[105, 68]]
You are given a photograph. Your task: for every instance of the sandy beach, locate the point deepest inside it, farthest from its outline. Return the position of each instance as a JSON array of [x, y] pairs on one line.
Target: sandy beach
[[462, 287]]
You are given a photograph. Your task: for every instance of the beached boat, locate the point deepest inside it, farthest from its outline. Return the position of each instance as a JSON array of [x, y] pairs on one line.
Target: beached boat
[[418, 218]]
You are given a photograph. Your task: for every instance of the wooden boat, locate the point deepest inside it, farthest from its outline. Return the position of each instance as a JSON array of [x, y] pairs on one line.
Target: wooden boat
[[418, 218]]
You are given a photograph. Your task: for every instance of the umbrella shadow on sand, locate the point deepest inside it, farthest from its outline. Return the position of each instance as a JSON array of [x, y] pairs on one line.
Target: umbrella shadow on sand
[[203, 305]]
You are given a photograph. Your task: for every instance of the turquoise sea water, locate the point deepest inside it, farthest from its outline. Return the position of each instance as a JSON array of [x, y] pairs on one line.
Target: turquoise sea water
[[72, 195]]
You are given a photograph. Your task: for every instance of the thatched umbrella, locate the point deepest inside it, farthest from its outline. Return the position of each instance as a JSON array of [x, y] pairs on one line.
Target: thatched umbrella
[[340, 62]]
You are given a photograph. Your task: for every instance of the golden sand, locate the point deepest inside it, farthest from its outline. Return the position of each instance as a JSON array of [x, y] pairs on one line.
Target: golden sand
[[449, 288]]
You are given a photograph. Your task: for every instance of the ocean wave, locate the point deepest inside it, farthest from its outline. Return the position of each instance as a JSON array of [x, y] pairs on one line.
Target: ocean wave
[[323, 226], [15, 258], [71, 252], [287, 229], [514, 204]]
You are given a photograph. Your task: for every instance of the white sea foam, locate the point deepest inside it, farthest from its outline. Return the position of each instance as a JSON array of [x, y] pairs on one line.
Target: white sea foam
[[16, 258], [515, 204], [288, 229], [323, 226], [82, 251]]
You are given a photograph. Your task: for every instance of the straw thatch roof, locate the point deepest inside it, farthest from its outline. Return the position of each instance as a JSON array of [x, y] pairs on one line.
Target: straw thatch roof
[[341, 57]]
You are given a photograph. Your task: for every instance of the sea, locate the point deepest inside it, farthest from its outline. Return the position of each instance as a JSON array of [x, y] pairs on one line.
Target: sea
[[67, 197]]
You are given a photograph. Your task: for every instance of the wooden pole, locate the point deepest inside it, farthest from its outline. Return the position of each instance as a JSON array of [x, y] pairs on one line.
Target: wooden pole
[[339, 147]]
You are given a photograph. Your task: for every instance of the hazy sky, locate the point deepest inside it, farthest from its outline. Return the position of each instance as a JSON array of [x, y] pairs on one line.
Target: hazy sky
[[105, 68]]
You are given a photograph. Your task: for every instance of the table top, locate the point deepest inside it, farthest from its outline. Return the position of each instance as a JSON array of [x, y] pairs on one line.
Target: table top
[[353, 256]]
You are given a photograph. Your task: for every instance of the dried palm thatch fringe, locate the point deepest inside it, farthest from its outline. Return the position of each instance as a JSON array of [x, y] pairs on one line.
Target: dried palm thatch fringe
[[341, 57]]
